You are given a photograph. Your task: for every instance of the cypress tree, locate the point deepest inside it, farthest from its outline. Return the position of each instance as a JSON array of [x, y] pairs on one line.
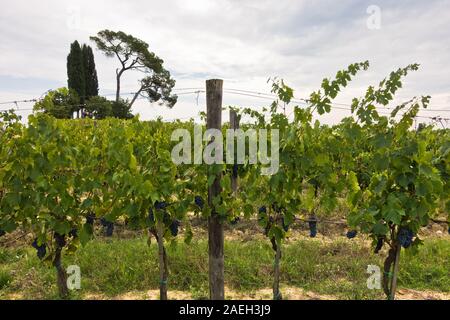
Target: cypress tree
[[90, 73], [75, 71]]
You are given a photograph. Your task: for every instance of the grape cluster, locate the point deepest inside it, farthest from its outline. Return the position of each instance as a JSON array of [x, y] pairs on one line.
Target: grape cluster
[[380, 243], [2, 233], [312, 223], [199, 201], [351, 234], [73, 233], [262, 213], [235, 221], [405, 237], [160, 205], [174, 227], [90, 218], [60, 240], [41, 249], [109, 227]]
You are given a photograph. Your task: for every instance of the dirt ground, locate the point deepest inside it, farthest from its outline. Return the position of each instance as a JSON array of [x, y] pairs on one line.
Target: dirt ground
[[289, 293]]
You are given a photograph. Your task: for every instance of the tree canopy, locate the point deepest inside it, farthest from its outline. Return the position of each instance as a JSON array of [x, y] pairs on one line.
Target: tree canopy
[[60, 103], [76, 80], [134, 54], [90, 73]]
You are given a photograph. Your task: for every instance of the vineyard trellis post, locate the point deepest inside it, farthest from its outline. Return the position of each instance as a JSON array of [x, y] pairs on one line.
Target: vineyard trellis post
[[234, 124], [214, 92]]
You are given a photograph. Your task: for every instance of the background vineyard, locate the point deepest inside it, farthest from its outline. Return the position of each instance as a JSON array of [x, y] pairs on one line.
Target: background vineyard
[[63, 179]]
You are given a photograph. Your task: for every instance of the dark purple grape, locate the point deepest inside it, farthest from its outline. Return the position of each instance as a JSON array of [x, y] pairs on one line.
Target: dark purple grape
[[34, 244], [160, 205], [235, 220], [108, 226], [90, 218], [174, 227], [2, 232], [73, 233], [109, 229], [262, 209], [312, 223], [60, 239], [41, 252], [351, 234], [199, 201], [405, 237], [40, 249]]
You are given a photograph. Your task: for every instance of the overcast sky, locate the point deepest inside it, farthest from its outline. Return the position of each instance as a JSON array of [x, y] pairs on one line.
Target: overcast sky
[[243, 42]]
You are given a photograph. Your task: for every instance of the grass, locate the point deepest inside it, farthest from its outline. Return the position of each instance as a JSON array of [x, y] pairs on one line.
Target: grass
[[5, 279], [115, 266]]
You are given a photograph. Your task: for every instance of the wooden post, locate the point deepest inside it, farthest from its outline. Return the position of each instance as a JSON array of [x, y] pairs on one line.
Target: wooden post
[[214, 91], [234, 124]]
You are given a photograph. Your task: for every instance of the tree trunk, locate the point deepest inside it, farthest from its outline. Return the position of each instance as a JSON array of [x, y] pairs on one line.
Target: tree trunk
[[118, 86], [60, 275], [395, 272], [276, 274], [136, 95], [162, 263], [390, 278]]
